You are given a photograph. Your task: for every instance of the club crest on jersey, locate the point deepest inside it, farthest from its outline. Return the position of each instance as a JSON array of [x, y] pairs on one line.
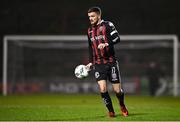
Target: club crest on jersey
[[98, 37], [100, 28]]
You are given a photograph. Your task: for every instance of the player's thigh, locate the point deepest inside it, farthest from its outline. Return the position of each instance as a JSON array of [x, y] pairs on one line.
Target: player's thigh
[[116, 87], [102, 85]]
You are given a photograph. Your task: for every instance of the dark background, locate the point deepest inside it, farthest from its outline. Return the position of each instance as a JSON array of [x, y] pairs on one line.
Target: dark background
[[57, 17]]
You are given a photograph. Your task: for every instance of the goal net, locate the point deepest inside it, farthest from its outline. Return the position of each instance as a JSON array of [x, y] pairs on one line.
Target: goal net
[[45, 64]]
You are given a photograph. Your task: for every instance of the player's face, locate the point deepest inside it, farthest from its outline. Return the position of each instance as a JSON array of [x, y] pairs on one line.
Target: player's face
[[93, 18]]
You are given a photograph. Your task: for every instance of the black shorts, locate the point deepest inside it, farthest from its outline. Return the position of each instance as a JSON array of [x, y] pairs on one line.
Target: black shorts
[[109, 71]]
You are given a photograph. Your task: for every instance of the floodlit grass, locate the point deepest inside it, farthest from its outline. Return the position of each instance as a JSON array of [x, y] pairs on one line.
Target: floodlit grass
[[86, 107]]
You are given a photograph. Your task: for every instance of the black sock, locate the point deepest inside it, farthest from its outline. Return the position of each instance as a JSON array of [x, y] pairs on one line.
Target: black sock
[[107, 101], [120, 97]]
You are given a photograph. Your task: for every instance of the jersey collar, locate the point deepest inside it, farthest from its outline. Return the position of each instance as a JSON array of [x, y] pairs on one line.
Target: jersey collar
[[100, 22]]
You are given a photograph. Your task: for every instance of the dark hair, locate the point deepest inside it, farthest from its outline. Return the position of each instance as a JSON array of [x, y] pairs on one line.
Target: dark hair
[[95, 9]]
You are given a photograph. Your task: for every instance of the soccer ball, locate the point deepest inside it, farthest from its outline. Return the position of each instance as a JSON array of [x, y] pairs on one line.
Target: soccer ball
[[81, 71]]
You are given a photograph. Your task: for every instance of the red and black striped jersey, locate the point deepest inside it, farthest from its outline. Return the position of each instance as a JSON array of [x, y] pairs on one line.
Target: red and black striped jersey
[[104, 32]]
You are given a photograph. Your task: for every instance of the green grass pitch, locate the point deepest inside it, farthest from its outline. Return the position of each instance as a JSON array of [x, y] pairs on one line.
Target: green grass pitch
[[86, 107]]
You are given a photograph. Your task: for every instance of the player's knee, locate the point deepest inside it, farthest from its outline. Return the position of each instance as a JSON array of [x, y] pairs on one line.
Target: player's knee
[[118, 90], [103, 89]]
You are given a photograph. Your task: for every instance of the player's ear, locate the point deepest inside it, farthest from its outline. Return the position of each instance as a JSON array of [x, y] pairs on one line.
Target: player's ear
[[99, 16]]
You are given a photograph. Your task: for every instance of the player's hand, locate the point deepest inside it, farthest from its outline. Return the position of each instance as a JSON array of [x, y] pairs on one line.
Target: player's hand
[[102, 45], [88, 66]]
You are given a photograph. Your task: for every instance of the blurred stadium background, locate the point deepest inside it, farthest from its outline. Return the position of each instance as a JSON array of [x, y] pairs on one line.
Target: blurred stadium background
[[48, 67]]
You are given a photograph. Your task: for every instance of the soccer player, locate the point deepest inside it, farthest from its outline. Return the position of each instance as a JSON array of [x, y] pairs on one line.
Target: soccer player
[[102, 36]]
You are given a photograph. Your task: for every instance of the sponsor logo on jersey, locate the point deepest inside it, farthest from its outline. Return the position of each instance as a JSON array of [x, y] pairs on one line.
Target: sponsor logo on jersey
[[98, 37]]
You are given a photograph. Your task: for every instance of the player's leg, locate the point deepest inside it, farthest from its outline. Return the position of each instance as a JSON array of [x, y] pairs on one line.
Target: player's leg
[[115, 79], [120, 95], [106, 98], [101, 77]]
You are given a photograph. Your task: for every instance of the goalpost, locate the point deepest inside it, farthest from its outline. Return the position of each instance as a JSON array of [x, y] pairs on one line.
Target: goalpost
[[71, 38]]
